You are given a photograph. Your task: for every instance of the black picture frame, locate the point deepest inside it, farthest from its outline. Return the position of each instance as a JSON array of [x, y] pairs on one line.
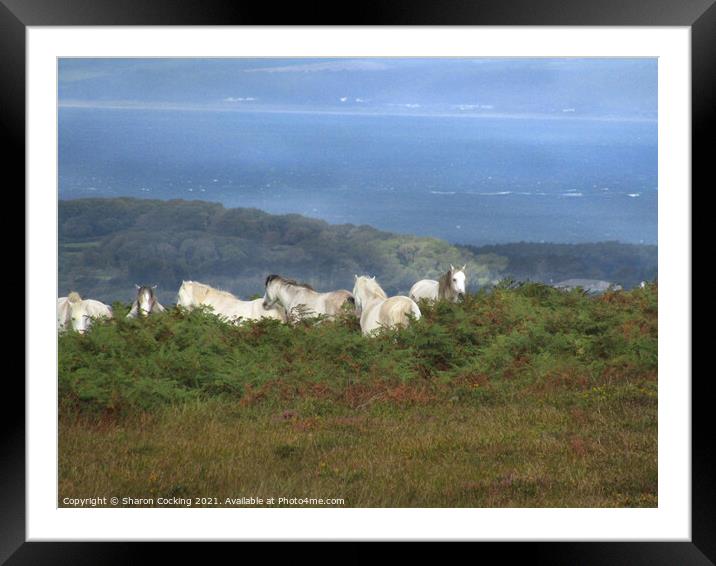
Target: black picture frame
[[699, 15]]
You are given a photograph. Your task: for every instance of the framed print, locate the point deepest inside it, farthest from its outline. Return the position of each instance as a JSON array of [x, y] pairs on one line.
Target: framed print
[[423, 277]]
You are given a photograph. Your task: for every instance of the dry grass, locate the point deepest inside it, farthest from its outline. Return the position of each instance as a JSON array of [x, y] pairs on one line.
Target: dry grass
[[601, 453]]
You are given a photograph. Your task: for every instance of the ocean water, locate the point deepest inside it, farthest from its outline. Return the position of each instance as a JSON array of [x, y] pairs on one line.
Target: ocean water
[[467, 180]]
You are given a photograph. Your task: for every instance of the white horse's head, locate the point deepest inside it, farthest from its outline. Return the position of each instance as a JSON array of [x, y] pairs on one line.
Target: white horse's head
[[185, 296], [365, 289], [145, 299], [77, 315], [458, 281], [271, 292], [279, 290]]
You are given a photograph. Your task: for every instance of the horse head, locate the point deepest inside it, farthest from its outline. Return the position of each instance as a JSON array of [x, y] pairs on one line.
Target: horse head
[[457, 282], [78, 316], [271, 291], [145, 298]]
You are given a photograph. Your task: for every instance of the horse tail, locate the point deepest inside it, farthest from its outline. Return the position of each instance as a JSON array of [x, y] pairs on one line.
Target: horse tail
[[413, 293], [409, 307], [338, 300]]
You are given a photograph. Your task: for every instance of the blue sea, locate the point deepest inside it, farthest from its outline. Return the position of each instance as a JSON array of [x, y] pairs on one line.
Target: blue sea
[[467, 180]]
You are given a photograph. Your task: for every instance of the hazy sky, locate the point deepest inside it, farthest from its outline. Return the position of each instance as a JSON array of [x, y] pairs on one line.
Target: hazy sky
[[621, 89]]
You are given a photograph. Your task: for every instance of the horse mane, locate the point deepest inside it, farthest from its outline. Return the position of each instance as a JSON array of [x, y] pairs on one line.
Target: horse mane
[[145, 288], [74, 297], [208, 288], [373, 286], [286, 281], [444, 285]]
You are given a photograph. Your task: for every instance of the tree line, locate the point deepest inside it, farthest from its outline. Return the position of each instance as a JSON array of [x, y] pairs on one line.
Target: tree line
[[107, 245]]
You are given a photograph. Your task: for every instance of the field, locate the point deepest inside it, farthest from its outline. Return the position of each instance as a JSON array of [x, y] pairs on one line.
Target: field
[[522, 396]]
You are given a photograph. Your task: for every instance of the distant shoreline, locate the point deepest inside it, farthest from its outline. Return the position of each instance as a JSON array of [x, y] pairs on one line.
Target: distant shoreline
[[353, 224]]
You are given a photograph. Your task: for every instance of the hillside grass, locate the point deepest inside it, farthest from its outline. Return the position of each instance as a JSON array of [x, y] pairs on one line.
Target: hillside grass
[[522, 396]]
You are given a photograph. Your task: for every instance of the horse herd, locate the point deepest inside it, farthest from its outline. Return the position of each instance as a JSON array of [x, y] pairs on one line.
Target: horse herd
[[284, 299]]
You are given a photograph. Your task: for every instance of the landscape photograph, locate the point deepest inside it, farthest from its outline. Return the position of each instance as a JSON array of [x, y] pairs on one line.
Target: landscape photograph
[[357, 282]]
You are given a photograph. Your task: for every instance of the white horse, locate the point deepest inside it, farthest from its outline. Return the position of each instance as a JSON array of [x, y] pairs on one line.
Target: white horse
[[63, 314], [376, 310], [145, 303], [301, 299], [450, 287], [193, 294], [83, 311]]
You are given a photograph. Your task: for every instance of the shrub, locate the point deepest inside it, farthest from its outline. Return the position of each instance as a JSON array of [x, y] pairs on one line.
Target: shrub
[[527, 334]]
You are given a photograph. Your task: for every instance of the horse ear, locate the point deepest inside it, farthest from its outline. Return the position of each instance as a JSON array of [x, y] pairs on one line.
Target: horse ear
[[373, 278], [355, 276], [451, 267], [154, 286], [137, 286], [463, 267]]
